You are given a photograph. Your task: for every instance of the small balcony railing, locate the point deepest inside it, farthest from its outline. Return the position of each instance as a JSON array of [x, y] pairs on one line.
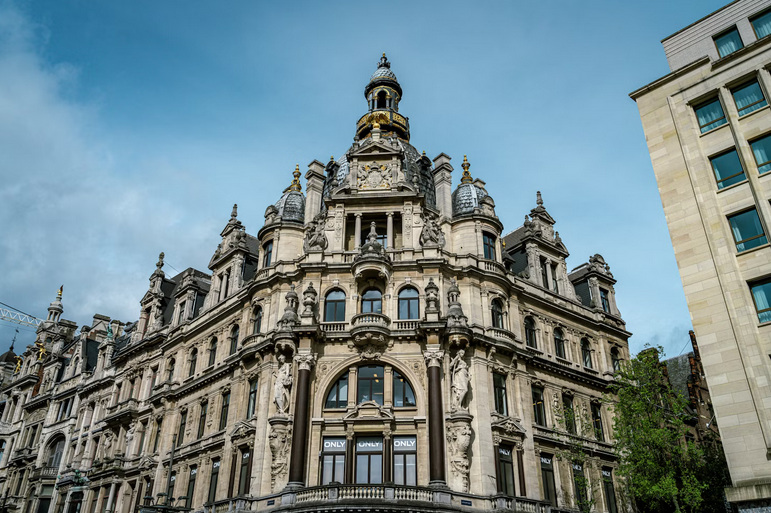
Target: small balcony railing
[[370, 319]]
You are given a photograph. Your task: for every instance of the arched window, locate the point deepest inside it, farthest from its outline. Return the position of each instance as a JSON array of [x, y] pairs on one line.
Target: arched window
[[55, 451], [338, 395], [559, 343], [530, 332], [257, 320], [381, 100], [403, 393], [193, 362], [371, 301], [497, 310], [334, 306], [615, 360], [170, 370], [370, 385], [586, 353], [234, 339], [408, 304], [212, 351]]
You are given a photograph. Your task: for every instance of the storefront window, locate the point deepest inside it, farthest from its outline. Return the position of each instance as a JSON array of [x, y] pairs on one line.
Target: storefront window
[[333, 460], [405, 460], [369, 460]]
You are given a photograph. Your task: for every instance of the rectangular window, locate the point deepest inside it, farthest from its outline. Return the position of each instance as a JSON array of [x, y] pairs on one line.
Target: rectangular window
[[569, 414], [539, 412], [604, 300], [610, 492], [181, 318], [172, 484], [748, 98], [554, 286], [252, 404], [488, 241], [267, 255], [579, 482], [597, 422], [728, 42], [728, 169], [761, 294], [369, 460], [157, 440], [506, 471], [225, 407], [370, 384], [182, 425], [202, 419], [141, 447], [747, 230], [499, 391], [544, 275], [243, 474], [333, 460], [215, 474], [547, 476], [761, 150], [710, 115], [191, 486], [405, 460], [762, 26]]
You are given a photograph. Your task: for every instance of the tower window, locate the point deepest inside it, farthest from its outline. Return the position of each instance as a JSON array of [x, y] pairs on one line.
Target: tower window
[[267, 251], [381, 100], [497, 310], [488, 242]]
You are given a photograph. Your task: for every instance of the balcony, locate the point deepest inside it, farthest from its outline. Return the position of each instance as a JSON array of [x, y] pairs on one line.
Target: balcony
[[122, 411], [44, 472], [501, 334]]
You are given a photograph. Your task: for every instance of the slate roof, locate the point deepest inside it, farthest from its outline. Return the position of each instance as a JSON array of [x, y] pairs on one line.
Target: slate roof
[[466, 197]]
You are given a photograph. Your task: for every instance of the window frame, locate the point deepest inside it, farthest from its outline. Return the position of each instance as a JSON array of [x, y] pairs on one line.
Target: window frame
[[191, 485], [395, 374], [569, 413], [532, 330], [586, 353], [369, 455], [257, 320], [496, 312], [335, 455], [758, 165], [372, 302], [599, 431], [724, 33], [267, 253], [212, 351], [244, 471], [742, 85], [235, 333], [193, 363], [488, 246], [224, 410], [410, 478], [338, 306], [360, 381], [752, 284], [216, 463], [182, 427], [202, 418], [411, 303], [506, 462], [251, 403], [714, 173], [500, 395], [743, 241], [539, 406], [336, 389], [559, 343], [705, 103], [756, 16]]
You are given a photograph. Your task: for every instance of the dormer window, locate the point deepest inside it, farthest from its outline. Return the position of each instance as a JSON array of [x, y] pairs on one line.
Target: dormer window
[[604, 300], [181, 317]]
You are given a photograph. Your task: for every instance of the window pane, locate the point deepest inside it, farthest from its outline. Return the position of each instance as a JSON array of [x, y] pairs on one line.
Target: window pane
[[377, 390], [762, 25], [340, 468], [761, 293], [376, 468], [399, 469], [329, 315], [710, 116], [362, 468], [728, 169], [728, 43], [371, 371], [342, 394], [749, 98], [747, 230], [364, 391], [761, 149], [404, 310], [412, 470], [398, 391], [328, 469]]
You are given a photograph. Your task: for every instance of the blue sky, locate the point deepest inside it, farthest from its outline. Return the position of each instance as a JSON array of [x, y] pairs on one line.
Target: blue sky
[[131, 128]]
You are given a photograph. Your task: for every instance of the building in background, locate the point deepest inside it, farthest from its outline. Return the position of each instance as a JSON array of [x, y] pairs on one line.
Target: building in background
[[378, 341], [708, 129]]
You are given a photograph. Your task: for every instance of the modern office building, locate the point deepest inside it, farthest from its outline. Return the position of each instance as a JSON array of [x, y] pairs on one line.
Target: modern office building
[[708, 129], [378, 344]]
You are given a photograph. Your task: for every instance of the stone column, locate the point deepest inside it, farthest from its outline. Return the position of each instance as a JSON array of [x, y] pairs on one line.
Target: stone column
[[301, 420], [357, 233], [111, 499], [390, 230], [388, 448], [521, 469], [434, 358]]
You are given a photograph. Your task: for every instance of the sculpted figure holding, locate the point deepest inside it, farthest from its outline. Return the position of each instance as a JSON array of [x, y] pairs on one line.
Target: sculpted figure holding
[[460, 380], [283, 385]]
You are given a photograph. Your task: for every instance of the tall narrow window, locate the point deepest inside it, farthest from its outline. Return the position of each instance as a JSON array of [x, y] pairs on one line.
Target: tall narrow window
[[544, 274], [2, 450], [202, 418], [580, 487], [170, 370], [615, 360], [224, 412], [154, 379], [191, 486], [212, 351], [710, 115], [748, 97], [559, 343], [369, 460], [370, 384], [215, 474], [243, 473], [488, 243], [569, 415], [539, 411], [403, 393], [506, 470], [182, 426], [181, 317], [234, 339], [599, 434], [747, 231], [499, 392], [497, 313], [728, 169], [604, 300], [267, 253], [405, 460], [547, 477], [586, 353], [334, 306], [257, 320], [530, 338], [157, 441], [141, 447], [761, 294], [728, 42], [55, 452], [338, 395], [610, 492], [333, 460], [224, 279], [761, 150], [193, 362], [371, 301], [252, 403], [408, 304], [554, 285]]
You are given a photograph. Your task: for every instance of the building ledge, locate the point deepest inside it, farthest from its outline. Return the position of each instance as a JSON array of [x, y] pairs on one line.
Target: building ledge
[[749, 492]]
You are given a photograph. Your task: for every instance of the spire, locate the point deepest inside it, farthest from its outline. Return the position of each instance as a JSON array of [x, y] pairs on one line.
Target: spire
[[539, 199], [295, 185], [466, 178], [383, 63]]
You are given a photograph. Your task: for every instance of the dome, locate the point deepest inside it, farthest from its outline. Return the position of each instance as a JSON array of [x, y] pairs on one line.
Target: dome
[[383, 73], [8, 357], [291, 206], [383, 76], [468, 196]]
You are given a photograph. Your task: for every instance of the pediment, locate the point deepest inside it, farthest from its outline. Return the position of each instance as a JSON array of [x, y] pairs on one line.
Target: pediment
[[147, 462], [375, 148], [242, 429], [369, 410], [507, 426]]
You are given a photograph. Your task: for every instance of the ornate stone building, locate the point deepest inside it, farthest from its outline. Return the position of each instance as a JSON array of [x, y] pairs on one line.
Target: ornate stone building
[[378, 343]]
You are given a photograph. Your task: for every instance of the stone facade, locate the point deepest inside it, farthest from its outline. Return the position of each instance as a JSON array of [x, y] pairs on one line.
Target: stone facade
[[687, 132], [380, 341]]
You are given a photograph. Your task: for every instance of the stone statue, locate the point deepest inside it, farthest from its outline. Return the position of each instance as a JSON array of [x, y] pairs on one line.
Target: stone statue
[[19, 359], [131, 430], [315, 238], [41, 350], [283, 385], [460, 380], [431, 234]]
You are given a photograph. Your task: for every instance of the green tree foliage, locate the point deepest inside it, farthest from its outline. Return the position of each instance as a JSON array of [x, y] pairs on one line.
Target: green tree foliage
[[664, 470]]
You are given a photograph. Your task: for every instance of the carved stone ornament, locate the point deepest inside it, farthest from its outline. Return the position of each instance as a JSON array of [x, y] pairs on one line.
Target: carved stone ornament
[[432, 296], [431, 234], [283, 385], [371, 346], [433, 357], [279, 440], [458, 441], [374, 176], [315, 238], [460, 381], [309, 300], [305, 361]]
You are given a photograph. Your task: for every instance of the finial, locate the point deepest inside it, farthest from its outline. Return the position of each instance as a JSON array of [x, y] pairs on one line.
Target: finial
[[466, 178], [539, 199], [332, 158], [234, 213], [424, 153], [160, 261], [383, 54], [384, 62], [295, 185], [60, 292]]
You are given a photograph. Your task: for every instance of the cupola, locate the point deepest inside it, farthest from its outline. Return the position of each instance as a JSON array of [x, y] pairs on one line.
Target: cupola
[[383, 94], [469, 195], [291, 206]]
